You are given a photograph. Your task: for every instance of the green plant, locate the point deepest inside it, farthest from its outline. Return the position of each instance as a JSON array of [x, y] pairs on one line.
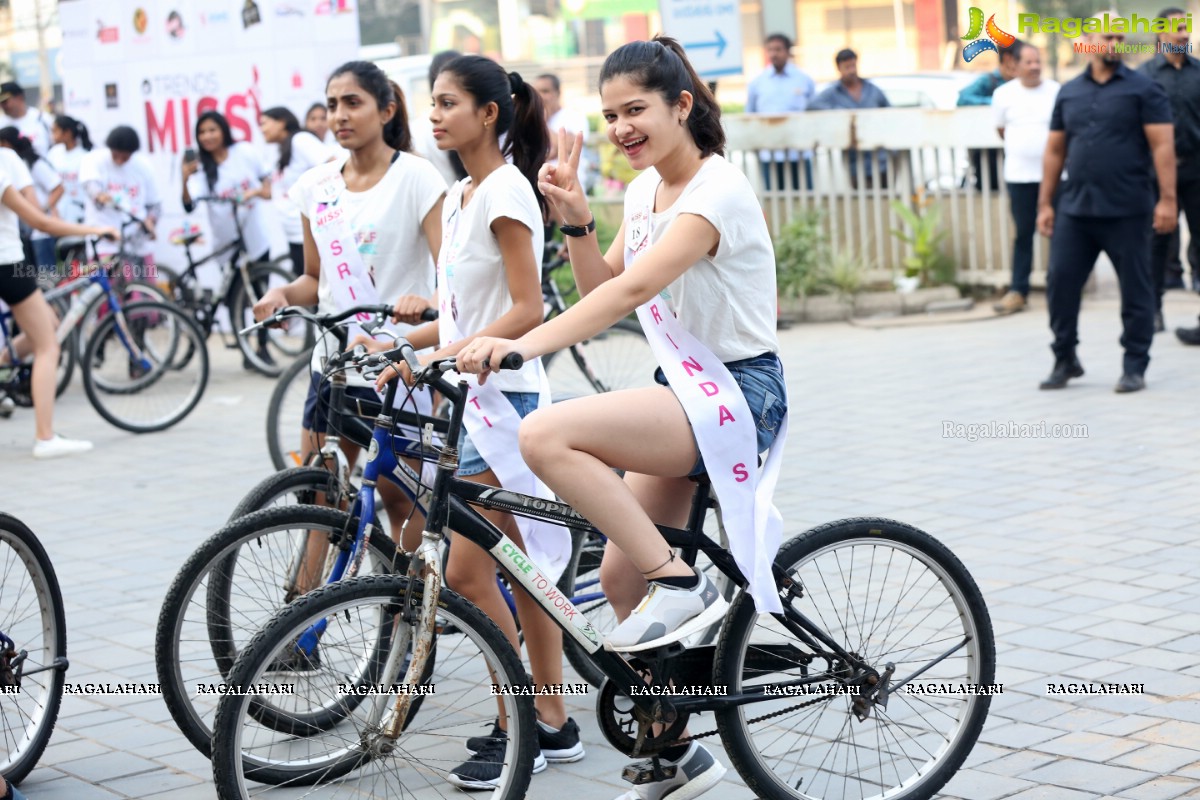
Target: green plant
[[802, 257], [845, 275], [924, 236]]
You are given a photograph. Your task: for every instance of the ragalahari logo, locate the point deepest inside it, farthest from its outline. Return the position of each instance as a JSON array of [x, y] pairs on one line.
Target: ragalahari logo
[[996, 38]]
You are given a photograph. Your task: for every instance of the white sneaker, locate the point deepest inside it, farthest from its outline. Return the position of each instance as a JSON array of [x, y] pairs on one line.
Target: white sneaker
[[695, 774], [668, 615], [59, 447]]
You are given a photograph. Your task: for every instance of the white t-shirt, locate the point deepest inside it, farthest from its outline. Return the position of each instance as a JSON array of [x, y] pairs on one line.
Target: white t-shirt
[[476, 275], [131, 185], [307, 152], [67, 163], [241, 172], [14, 173], [1024, 113], [45, 180], [386, 220], [728, 302], [34, 126]]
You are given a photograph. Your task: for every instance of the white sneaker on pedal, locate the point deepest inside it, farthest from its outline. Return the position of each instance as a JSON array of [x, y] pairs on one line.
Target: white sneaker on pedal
[[695, 774], [59, 446], [668, 614]]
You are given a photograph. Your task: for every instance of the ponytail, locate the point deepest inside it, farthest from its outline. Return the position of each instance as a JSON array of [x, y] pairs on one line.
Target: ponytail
[[396, 132], [661, 65], [12, 137], [370, 77], [519, 113], [76, 129], [291, 126]]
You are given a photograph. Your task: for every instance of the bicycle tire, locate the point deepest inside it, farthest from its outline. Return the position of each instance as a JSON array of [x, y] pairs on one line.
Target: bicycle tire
[[825, 738], [185, 653], [619, 358], [299, 484], [285, 412], [32, 615], [243, 751], [165, 332], [131, 292], [267, 351]]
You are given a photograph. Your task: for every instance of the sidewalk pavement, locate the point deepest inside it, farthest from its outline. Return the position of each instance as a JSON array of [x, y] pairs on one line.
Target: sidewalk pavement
[[1086, 548]]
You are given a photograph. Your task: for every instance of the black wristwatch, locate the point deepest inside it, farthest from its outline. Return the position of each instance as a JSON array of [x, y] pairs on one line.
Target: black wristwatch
[[578, 230]]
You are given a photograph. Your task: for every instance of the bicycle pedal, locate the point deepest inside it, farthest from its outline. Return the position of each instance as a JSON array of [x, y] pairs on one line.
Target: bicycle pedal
[[640, 773]]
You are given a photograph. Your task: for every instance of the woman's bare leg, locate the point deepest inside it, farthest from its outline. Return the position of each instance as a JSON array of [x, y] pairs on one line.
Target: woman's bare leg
[[37, 320]]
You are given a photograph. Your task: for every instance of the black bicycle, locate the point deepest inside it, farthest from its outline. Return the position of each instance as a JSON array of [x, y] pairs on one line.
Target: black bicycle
[[874, 682]]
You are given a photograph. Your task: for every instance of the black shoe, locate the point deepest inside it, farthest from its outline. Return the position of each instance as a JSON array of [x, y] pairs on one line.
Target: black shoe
[[1159, 324], [1130, 382], [561, 746], [483, 770], [296, 661], [1064, 369], [477, 743], [1188, 335]]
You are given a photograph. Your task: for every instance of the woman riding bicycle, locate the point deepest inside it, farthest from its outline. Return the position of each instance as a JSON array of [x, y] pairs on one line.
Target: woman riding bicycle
[[489, 283], [116, 182], [19, 289], [392, 204], [694, 253]]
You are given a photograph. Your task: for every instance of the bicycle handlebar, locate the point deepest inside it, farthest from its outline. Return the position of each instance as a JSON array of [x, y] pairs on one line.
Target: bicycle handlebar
[[330, 321]]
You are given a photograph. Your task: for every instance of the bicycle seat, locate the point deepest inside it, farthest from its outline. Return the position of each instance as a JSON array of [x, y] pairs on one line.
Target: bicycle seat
[[187, 239], [65, 244]]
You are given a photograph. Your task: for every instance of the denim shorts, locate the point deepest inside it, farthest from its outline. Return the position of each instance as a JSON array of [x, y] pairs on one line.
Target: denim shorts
[[761, 381], [470, 462], [316, 405]]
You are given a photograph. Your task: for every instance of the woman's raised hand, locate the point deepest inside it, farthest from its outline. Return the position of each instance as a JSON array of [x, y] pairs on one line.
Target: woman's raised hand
[[560, 182]]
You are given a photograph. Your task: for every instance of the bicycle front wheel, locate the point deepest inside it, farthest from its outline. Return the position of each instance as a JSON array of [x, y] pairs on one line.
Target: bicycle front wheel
[[32, 616], [285, 413], [619, 358], [231, 586], [268, 350], [892, 596], [417, 763], [132, 370]]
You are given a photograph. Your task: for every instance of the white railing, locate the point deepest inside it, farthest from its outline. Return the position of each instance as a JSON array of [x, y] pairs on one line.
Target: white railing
[[927, 156]]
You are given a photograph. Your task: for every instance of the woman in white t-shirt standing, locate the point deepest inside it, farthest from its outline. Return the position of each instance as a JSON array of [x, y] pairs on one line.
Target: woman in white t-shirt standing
[[47, 187], [299, 151], [229, 170], [489, 284], [392, 202], [71, 143], [694, 257], [117, 181], [37, 320]]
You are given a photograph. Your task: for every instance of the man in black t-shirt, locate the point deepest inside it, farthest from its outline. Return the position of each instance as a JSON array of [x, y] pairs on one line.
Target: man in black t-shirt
[[1112, 129]]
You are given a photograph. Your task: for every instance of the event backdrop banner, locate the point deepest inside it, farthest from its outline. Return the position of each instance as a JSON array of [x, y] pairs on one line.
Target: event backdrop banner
[[158, 65]]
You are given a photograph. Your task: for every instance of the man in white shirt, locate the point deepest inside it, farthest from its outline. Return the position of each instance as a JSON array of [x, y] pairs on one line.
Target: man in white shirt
[[549, 87], [1022, 110], [783, 88], [33, 124]]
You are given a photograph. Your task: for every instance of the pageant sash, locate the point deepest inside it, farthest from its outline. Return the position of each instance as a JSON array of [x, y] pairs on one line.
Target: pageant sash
[[491, 420], [722, 423]]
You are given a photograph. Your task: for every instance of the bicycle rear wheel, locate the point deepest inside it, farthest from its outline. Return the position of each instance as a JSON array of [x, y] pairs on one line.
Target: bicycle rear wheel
[[619, 358], [889, 594], [285, 413], [32, 616], [417, 763], [227, 591], [581, 582], [268, 350], [132, 372]]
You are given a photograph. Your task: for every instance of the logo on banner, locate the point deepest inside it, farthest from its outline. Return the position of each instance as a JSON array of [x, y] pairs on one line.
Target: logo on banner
[[140, 20], [250, 15], [286, 10], [175, 27], [332, 7], [110, 96], [107, 34], [180, 98]]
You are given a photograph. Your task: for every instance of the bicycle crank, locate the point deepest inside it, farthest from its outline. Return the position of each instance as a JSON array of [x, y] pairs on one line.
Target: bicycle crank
[[628, 729]]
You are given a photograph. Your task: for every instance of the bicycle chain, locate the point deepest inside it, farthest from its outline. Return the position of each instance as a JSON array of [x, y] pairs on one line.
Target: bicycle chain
[[778, 713]]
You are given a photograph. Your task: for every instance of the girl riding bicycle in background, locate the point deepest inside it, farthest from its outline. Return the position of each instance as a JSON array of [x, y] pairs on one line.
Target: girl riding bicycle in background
[[19, 289], [116, 180], [71, 143], [694, 256], [489, 284], [48, 190], [391, 204], [299, 151]]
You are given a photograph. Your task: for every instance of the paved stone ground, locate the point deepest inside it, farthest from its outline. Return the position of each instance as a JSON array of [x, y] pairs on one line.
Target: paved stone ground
[[1086, 548]]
